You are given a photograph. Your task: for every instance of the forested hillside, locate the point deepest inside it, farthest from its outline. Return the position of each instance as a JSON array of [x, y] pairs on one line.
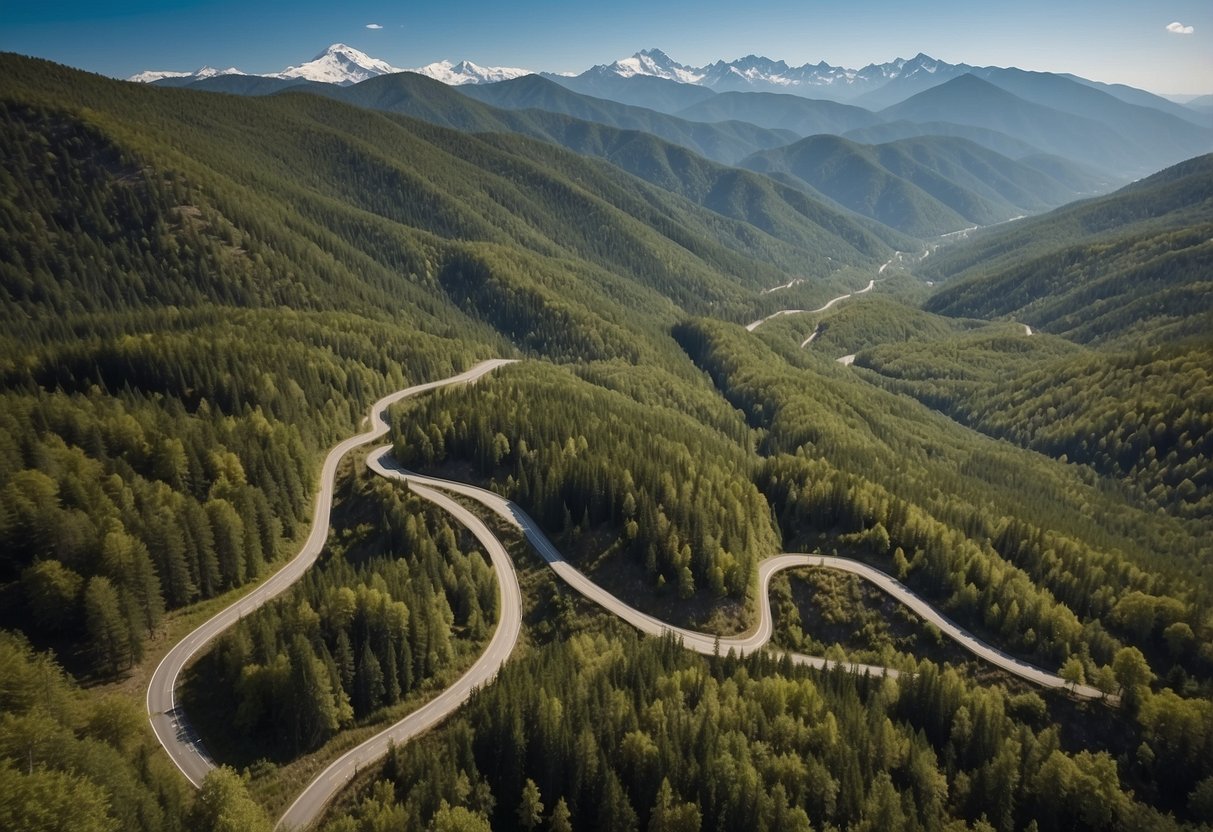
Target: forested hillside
[[1130, 266], [1126, 274], [922, 186], [716, 139], [671, 490], [396, 604], [605, 732], [201, 293]]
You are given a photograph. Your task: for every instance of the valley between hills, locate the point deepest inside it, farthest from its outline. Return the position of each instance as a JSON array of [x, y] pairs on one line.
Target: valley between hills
[[755, 460]]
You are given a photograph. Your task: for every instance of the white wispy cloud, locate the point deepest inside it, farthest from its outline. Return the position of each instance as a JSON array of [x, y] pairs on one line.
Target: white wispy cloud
[[377, 26], [1178, 28]]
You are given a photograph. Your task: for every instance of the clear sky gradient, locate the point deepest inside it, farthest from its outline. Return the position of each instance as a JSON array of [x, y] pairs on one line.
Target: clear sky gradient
[[1116, 41]]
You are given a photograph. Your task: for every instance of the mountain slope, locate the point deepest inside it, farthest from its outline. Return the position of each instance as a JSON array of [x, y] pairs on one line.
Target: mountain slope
[[1155, 134], [891, 131], [1132, 95], [246, 84], [725, 142], [851, 175], [814, 229], [1128, 266], [802, 116], [970, 100], [658, 94], [923, 186]]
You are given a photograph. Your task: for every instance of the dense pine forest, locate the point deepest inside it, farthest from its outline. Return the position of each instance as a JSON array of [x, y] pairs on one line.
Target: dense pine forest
[[201, 293]]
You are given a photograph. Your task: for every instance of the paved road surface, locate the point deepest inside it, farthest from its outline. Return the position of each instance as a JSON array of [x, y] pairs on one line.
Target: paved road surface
[[706, 643], [167, 719], [186, 751], [699, 642], [311, 802], [753, 325]]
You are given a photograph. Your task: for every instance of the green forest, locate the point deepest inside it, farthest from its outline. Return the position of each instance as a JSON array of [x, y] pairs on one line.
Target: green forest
[[391, 605], [202, 293]]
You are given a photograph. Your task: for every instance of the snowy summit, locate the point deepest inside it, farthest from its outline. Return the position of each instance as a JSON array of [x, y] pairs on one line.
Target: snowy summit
[[344, 65], [758, 73], [339, 64], [466, 72], [152, 76]]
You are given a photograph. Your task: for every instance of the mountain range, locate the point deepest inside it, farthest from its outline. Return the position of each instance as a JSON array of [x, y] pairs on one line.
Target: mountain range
[[1093, 135], [755, 73], [206, 280], [344, 65], [874, 86]]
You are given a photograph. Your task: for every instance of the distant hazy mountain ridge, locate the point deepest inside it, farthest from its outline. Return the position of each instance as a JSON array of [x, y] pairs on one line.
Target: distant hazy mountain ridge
[[729, 109], [757, 73]]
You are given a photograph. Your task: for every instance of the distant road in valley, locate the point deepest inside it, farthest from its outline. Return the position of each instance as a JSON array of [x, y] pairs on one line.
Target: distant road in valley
[[168, 720], [753, 325]]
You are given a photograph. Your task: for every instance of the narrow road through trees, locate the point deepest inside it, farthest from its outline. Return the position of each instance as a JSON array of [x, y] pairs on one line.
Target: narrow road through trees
[[758, 638], [185, 749], [168, 721]]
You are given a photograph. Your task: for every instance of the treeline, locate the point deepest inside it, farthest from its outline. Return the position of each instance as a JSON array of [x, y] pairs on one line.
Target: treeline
[[74, 761], [624, 733], [1003, 538], [674, 494], [385, 610]]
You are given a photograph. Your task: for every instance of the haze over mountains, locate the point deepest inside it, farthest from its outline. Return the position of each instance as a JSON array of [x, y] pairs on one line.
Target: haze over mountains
[[729, 110]]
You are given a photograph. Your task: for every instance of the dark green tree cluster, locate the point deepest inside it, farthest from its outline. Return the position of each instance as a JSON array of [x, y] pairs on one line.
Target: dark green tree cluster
[[675, 493], [623, 733], [69, 760], [358, 633], [1145, 418]]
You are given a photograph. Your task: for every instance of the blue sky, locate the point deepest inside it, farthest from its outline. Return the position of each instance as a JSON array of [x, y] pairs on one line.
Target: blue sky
[[1108, 40]]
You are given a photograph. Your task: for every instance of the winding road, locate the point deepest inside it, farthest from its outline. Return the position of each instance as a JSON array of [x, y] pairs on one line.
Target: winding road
[[168, 721], [753, 325], [757, 639], [312, 800], [186, 750]]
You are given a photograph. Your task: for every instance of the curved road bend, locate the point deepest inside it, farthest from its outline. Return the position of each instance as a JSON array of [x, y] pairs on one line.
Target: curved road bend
[[706, 643], [168, 720], [309, 805], [753, 325]]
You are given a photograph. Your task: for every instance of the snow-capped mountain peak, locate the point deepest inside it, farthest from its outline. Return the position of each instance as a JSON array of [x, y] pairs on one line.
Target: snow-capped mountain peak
[[151, 76], [656, 63], [211, 72], [757, 72], [342, 64], [339, 64], [466, 72]]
